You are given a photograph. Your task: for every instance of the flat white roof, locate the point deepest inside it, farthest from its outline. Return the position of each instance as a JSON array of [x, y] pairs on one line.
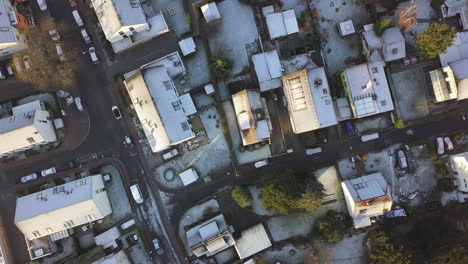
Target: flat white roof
[[370, 93], [282, 23], [268, 69], [343, 108], [210, 12], [189, 176], [209, 89], [7, 34], [445, 88], [187, 45], [115, 14], [347, 28], [373, 41], [367, 187], [187, 104], [458, 51], [309, 102], [459, 164], [108, 237], [252, 241], [460, 68], [462, 86], [394, 47]]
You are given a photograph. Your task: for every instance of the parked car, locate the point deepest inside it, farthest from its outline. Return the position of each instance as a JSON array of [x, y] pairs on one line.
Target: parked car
[[349, 128], [116, 112], [27, 64], [128, 140], [448, 144], [42, 5], [3, 74], [170, 154], [29, 177], [60, 52], [401, 159], [78, 104], [77, 18], [54, 35], [136, 193], [261, 163], [128, 224], [72, 164], [9, 69], [440, 146], [85, 35], [313, 151], [369, 137], [93, 55], [48, 171], [156, 244]]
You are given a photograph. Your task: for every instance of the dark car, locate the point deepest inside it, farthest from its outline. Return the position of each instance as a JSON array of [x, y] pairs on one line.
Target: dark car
[[72, 164], [349, 128]]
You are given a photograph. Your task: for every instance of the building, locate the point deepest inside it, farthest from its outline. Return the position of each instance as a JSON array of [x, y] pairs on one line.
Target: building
[[456, 58], [443, 84], [188, 176], [388, 47], [252, 241], [252, 115], [366, 197], [459, 164], [210, 237], [11, 24], [280, 24], [367, 89], [211, 13], [346, 28], [158, 107], [47, 215], [124, 24], [310, 104], [30, 126], [459, 8], [268, 69], [187, 46]]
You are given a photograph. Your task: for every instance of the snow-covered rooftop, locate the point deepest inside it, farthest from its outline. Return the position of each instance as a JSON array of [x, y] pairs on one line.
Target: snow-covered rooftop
[[443, 84], [7, 35], [458, 51], [210, 12], [268, 68], [347, 28], [309, 102], [370, 93], [187, 104], [462, 86], [367, 187], [252, 241], [282, 23], [187, 46], [460, 68], [188, 176], [394, 46], [459, 163]]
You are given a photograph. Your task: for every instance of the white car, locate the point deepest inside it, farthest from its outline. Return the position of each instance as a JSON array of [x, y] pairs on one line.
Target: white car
[[79, 106], [29, 177], [136, 193], [27, 64], [42, 5], [93, 55], [48, 171], [448, 144], [60, 52], [156, 244], [261, 163], [440, 146], [54, 35], [116, 112], [313, 151]]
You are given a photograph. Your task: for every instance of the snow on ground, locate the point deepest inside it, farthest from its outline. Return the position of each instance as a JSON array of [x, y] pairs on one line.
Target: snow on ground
[[168, 202], [237, 28], [47, 98], [350, 250], [425, 11], [299, 6], [383, 162], [287, 254], [335, 48], [347, 169], [198, 72], [288, 226], [257, 206], [447, 197], [176, 22], [226, 256], [246, 156]]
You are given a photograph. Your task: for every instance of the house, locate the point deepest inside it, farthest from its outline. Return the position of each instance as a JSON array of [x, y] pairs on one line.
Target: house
[[443, 84], [11, 24], [366, 197], [211, 13], [158, 107], [30, 126], [108, 238], [388, 47], [280, 24], [310, 104], [46, 216], [268, 69], [210, 236], [124, 24], [252, 241], [459, 164], [459, 8], [187, 46], [367, 89], [456, 58], [252, 115]]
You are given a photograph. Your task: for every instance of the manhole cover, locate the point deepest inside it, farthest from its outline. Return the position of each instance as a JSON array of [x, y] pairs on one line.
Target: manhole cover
[[169, 174]]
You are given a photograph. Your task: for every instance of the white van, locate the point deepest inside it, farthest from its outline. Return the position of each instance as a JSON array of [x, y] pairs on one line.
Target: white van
[[93, 55], [85, 35], [60, 52], [77, 18], [170, 154], [369, 137], [136, 193], [42, 5], [128, 224], [261, 163], [79, 106], [313, 151]]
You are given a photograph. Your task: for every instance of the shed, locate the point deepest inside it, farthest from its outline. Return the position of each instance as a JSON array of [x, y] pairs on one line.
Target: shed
[[252, 241], [346, 28], [187, 46], [282, 24], [187, 104], [189, 176], [210, 12], [209, 89]]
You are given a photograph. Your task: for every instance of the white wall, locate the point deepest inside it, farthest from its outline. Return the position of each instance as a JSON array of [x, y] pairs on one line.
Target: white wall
[[126, 30]]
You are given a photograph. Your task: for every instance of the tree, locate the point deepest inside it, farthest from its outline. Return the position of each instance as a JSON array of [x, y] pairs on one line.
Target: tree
[[408, 16], [435, 40], [312, 198], [383, 251], [382, 25], [47, 71], [221, 66], [330, 227], [457, 255], [241, 196]]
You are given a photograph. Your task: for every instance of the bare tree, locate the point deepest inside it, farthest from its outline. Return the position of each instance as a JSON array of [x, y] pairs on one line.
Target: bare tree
[[407, 17], [320, 254]]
